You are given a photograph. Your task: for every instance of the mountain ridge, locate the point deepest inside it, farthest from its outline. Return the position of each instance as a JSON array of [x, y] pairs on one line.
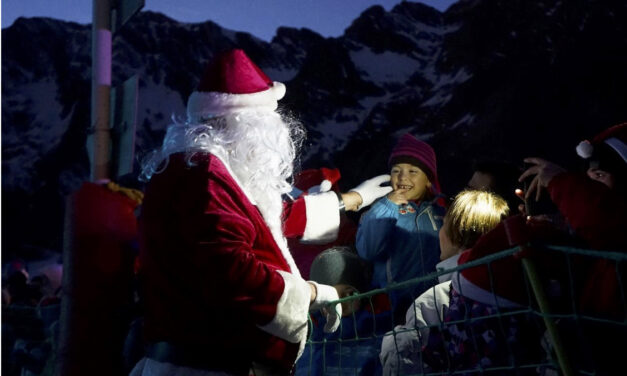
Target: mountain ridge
[[484, 78]]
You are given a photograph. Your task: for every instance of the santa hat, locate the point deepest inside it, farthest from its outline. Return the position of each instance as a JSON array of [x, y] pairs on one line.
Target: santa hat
[[411, 150], [501, 281], [15, 266], [325, 178], [232, 83], [615, 137]]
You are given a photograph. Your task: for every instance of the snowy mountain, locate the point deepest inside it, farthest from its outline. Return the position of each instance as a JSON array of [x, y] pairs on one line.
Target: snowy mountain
[[503, 79]]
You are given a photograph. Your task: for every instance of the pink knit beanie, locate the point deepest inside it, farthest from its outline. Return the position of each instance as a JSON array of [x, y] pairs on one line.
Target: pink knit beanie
[[411, 150]]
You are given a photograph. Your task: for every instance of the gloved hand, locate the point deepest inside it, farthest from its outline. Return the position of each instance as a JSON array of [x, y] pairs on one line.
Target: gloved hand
[[371, 190], [324, 295]]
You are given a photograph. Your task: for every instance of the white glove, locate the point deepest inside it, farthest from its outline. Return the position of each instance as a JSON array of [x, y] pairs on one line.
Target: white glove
[[324, 295], [371, 190]]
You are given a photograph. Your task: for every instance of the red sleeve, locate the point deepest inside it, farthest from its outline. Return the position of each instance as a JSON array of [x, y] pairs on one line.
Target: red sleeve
[[294, 218], [313, 219], [595, 212]]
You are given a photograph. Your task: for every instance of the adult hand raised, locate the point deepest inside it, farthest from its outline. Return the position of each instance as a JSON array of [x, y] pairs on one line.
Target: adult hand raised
[[372, 189], [543, 172]]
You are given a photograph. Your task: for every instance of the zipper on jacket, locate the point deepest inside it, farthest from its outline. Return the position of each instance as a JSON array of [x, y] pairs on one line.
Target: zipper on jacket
[[429, 211]]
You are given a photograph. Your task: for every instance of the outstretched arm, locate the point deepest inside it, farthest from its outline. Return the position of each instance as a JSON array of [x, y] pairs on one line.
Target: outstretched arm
[[543, 172]]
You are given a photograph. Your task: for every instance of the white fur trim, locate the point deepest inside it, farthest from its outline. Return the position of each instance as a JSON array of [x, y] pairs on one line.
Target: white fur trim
[[291, 318], [202, 105], [472, 291], [323, 218], [619, 146], [584, 149], [285, 251]]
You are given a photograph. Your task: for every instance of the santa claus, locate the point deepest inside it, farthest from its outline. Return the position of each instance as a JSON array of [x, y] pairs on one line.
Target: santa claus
[[223, 294]]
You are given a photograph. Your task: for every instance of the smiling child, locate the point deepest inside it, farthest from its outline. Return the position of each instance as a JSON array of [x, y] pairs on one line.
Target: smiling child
[[399, 234]]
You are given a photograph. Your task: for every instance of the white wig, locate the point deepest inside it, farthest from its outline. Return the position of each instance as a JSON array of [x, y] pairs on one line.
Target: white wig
[[259, 147]]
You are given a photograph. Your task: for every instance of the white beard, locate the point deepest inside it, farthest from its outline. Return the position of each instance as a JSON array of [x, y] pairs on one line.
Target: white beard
[[261, 170]]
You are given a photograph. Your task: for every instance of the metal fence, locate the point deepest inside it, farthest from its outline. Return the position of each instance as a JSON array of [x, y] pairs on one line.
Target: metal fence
[[571, 321]]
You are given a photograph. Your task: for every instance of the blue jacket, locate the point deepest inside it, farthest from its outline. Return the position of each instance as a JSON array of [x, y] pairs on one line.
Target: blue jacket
[[402, 241]]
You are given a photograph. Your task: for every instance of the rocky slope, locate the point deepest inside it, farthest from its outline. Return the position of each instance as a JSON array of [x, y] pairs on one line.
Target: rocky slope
[[503, 79]]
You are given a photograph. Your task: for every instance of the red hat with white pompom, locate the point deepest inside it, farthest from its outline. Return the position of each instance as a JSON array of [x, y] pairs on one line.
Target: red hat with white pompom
[[615, 137], [322, 179], [232, 83]]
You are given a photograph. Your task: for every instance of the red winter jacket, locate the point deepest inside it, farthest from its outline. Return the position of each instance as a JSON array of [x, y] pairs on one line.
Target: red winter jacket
[[598, 215]]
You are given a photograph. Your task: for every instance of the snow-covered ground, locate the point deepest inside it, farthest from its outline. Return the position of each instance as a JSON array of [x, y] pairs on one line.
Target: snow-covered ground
[[384, 68]]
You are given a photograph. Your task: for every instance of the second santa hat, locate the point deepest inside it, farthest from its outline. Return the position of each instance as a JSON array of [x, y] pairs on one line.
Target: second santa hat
[[231, 83], [615, 137]]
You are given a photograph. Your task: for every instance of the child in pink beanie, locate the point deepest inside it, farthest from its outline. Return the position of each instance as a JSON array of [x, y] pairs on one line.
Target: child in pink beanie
[[399, 234]]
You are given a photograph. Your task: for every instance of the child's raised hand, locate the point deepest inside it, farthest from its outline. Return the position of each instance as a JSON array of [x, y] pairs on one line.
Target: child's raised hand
[[398, 196]]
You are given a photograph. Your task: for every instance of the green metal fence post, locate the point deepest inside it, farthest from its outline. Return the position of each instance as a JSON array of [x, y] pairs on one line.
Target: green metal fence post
[[543, 303]]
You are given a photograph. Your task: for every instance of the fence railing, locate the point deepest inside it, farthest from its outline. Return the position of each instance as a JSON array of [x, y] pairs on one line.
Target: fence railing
[[572, 321], [559, 327]]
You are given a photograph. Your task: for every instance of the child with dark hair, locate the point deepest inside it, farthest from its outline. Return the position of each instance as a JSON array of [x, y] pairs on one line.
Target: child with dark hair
[[399, 234], [353, 349]]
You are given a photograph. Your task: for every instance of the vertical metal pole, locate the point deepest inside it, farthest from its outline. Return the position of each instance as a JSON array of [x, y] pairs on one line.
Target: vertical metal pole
[[101, 89], [543, 303]]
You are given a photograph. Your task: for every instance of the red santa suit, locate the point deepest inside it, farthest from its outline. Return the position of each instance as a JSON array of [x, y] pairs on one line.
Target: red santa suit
[[222, 292], [597, 215], [220, 284], [595, 212]]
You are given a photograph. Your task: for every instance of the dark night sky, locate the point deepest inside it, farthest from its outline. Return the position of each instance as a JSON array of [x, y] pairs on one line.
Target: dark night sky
[[261, 18]]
